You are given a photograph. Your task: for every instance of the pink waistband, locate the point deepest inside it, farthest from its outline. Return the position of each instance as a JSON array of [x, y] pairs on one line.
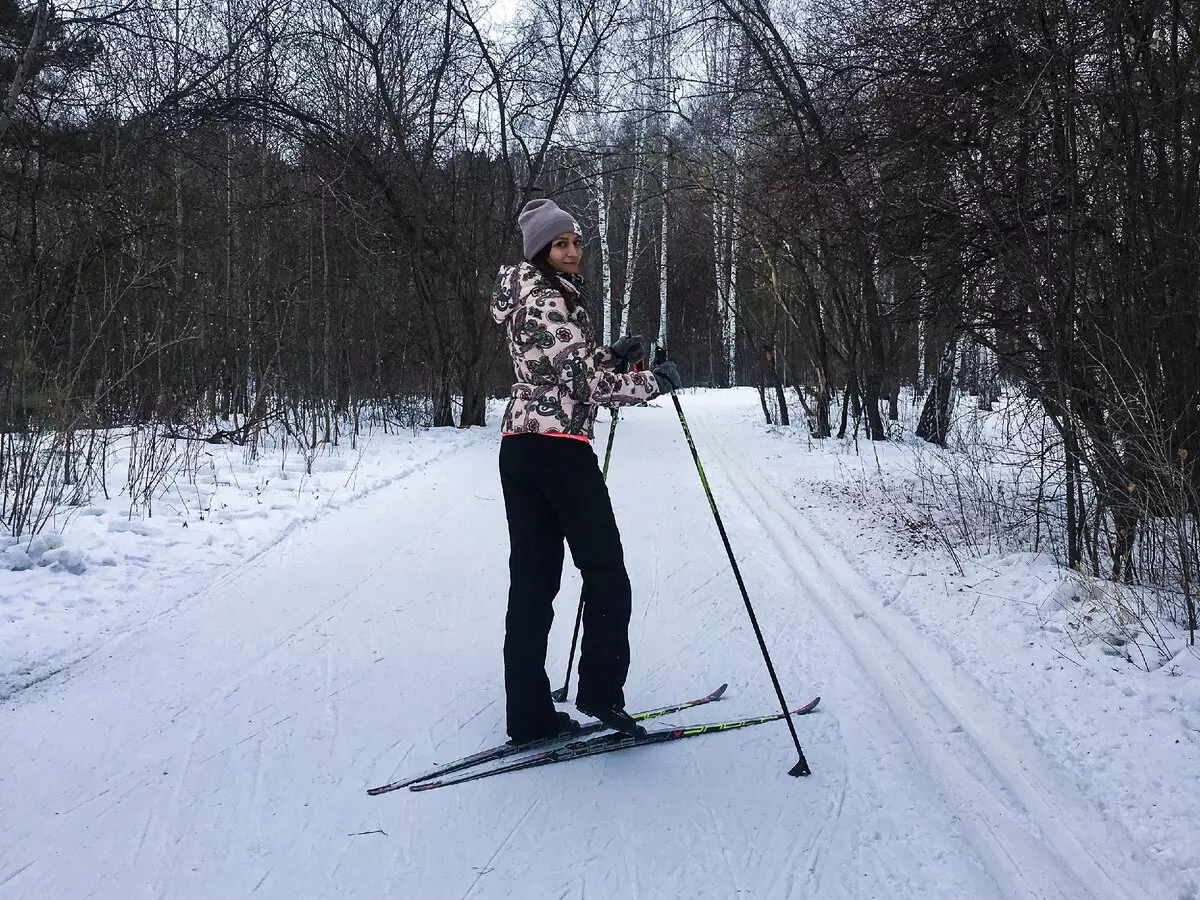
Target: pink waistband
[[554, 434]]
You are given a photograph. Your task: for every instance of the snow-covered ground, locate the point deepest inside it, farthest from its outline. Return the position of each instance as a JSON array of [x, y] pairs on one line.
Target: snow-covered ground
[[100, 569], [195, 703]]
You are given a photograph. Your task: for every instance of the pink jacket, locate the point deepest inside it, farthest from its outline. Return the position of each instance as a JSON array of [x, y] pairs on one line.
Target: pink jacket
[[562, 376]]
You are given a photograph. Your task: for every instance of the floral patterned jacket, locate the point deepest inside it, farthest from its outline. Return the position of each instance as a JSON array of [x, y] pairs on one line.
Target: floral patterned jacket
[[562, 376]]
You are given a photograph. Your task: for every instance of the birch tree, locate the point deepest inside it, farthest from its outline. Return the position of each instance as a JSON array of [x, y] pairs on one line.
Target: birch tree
[[633, 237], [721, 58], [663, 82]]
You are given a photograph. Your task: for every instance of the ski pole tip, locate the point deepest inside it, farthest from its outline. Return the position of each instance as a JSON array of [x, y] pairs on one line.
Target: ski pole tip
[[800, 768]]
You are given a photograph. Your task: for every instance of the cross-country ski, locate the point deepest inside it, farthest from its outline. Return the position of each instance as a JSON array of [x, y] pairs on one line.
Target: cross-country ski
[[607, 743], [500, 751]]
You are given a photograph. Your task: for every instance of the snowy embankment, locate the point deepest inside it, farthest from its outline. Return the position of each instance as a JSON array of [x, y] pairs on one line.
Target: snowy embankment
[[100, 569], [238, 683]]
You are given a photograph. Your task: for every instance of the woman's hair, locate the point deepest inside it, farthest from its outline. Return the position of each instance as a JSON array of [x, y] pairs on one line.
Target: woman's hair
[[541, 262]]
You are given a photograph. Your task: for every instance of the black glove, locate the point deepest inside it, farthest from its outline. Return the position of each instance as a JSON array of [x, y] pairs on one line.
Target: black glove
[[629, 350], [667, 376]]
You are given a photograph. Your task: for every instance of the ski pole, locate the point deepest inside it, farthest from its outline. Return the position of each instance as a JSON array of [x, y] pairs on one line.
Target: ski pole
[[612, 430], [801, 767], [560, 695]]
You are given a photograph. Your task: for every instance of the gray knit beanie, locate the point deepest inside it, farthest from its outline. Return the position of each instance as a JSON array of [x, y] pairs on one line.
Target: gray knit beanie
[[541, 222]]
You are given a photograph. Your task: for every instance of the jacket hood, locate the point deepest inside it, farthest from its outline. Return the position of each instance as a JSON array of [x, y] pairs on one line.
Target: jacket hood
[[507, 292], [514, 284]]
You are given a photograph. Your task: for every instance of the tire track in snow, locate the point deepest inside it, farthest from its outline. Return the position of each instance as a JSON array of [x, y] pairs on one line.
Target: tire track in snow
[[1010, 810]]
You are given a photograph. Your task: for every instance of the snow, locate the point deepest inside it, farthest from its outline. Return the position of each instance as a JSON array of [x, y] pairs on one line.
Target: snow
[[102, 569], [195, 703]]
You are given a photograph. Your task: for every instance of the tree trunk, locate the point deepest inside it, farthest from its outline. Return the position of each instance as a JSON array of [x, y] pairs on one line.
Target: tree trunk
[[474, 409], [21, 76], [662, 254], [600, 190], [631, 237], [934, 424]]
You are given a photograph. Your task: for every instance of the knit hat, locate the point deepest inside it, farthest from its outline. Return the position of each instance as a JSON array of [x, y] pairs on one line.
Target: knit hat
[[541, 222]]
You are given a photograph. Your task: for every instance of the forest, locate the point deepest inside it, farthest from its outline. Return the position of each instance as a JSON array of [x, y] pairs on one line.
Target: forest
[[222, 221]]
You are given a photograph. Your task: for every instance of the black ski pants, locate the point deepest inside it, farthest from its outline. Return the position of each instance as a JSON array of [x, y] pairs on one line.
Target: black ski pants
[[554, 490]]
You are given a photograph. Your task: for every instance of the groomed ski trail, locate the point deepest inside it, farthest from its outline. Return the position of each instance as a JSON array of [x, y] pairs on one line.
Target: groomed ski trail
[[225, 749], [1038, 839]]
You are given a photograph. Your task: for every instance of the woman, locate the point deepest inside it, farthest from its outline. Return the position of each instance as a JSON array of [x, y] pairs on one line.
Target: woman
[[553, 488]]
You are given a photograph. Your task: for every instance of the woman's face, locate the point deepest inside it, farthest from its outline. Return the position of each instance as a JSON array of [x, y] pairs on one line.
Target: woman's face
[[566, 253]]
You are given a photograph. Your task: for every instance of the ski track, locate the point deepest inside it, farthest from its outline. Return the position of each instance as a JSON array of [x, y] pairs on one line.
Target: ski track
[[631, 874], [1012, 815], [153, 840], [65, 667], [488, 866], [723, 844], [245, 773]]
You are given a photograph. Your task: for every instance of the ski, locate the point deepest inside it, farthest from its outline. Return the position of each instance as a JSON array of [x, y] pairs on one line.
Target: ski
[[608, 743], [500, 751]]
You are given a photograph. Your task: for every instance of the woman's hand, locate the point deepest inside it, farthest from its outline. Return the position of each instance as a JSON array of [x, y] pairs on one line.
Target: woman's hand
[[629, 350], [668, 376]]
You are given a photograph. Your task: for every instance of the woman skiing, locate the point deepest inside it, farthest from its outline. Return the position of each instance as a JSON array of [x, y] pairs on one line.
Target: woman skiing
[[553, 488]]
